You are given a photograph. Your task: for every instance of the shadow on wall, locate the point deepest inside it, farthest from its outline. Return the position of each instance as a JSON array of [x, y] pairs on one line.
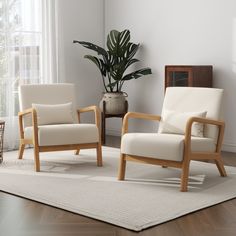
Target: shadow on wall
[[143, 96], [143, 92], [226, 79]]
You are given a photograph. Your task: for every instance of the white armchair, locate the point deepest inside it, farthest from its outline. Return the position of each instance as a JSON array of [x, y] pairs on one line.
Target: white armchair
[[189, 129], [48, 120]]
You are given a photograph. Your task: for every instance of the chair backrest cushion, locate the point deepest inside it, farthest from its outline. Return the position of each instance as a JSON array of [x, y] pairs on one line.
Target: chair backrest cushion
[[175, 122], [51, 94], [195, 99], [54, 114]]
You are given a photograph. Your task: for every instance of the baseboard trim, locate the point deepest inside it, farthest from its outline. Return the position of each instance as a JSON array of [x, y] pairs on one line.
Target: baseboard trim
[[229, 147]]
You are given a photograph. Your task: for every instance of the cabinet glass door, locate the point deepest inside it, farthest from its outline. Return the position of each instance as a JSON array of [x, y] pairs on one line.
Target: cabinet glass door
[[178, 78]]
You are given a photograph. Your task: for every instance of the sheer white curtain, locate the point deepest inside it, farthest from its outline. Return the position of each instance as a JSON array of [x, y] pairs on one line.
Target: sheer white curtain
[[49, 59], [27, 55]]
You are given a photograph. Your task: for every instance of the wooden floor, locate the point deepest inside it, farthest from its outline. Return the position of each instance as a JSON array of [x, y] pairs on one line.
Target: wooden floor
[[22, 217]]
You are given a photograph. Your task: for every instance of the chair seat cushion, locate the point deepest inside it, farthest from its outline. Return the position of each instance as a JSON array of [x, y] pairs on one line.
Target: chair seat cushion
[[64, 134], [162, 146]]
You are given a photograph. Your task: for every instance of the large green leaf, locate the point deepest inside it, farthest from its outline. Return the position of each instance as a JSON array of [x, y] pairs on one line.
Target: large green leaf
[[131, 50], [130, 62], [93, 47], [137, 74], [96, 48], [98, 62], [117, 42], [118, 70], [110, 61]]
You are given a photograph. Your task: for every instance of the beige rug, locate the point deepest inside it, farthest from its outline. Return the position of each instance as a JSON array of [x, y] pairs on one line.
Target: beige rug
[[149, 196]]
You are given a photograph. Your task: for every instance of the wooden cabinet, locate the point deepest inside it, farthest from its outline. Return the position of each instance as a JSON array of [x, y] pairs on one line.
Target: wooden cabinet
[[188, 76]]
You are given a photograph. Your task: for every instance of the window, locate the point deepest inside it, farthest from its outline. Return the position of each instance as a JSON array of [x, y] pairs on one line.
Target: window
[[20, 50]]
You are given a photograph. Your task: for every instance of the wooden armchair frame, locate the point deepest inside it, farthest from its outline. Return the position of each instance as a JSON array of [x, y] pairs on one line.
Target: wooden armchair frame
[[77, 147], [188, 154]]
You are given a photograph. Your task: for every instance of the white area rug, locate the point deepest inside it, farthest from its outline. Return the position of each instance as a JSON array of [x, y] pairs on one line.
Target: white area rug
[[149, 196]]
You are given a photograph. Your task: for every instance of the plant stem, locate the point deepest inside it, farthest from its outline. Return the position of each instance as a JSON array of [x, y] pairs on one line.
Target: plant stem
[[121, 84], [103, 80], [109, 79]]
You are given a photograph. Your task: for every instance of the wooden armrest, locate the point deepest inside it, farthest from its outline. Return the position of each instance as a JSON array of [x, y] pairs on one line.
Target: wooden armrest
[[205, 121], [88, 109], [94, 109], [137, 115], [25, 112], [219, 123], [33, 113]]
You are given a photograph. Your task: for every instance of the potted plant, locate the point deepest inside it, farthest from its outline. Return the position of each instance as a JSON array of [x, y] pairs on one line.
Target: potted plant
[[113, 64]]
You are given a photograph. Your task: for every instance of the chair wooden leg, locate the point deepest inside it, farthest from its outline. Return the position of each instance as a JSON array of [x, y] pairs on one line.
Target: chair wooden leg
[[99, 154], [103, 124], [121, 175], [220, 166], [21, 151], [77, 151], [36, 159], [184, 177]]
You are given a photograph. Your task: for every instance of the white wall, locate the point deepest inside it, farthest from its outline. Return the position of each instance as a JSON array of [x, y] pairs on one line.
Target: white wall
[[81, 20], [178, 32]]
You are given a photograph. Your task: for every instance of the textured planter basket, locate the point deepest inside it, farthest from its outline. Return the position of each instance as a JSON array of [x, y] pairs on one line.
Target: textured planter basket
[[115, 103]]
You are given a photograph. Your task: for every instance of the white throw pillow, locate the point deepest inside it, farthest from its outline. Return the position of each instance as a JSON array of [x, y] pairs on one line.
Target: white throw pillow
[[54, 114], [175, 122]]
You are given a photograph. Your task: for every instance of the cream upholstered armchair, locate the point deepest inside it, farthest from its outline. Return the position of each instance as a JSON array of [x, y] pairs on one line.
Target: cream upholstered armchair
[[189, 129], [50, 122]]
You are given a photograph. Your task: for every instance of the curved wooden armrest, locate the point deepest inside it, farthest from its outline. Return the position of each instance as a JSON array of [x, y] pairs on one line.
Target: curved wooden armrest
[[25, 112], [94, 109], [33, 113], [88, 109], [137, 115], [219, 123]]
